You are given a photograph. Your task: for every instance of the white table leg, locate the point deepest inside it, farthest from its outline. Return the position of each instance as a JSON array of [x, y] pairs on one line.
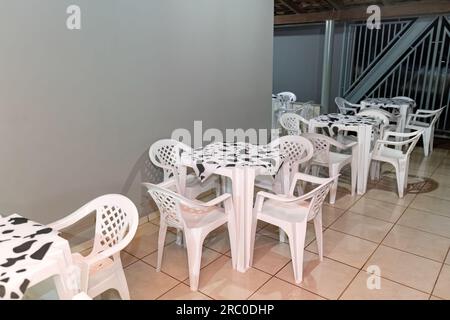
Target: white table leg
[[243, 182]]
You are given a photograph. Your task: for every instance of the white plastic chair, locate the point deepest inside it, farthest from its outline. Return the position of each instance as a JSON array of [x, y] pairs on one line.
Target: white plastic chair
[[297, 150], [197, 219], [383, 116], [410, 100], [166, 154], [413, 123], [116, 223], [397, 157], [291, 214], [291, 97], [81, 296], [334, 161], [293, 123], [346, 107]]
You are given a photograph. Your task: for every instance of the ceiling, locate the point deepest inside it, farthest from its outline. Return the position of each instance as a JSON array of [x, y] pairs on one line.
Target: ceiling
[[304, 11]]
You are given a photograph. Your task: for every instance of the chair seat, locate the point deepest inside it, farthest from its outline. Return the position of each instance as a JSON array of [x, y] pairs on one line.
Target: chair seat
[[417, 125], [335, 158], [390, 153], [290, 211], [200, 218], [100, 266]]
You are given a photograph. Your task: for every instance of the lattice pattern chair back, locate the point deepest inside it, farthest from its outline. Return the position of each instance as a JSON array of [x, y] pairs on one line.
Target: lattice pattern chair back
[[379, 114], [166, 155], [115, 216], [292, 123], [321, 145], [296, 149], [290, 95], [168, 204], [320, 193]]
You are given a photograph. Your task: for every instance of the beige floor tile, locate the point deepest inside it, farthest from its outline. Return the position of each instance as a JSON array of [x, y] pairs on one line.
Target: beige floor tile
[[344, 200], [345, 248], [435, 298], [389, 290], [327, 278], [426, 221], [218, 240], [270, 255], [442, 289], [418, 242], [390, 196], [218, 280], [146, 240], [431, 204], [145, 283], [362, 226], [443, 170], [447, 261], [441, 192], [405, 268], [127, 259], [276, 289], [424, 172], [330, 214], [378, 209], [175, 260], [183, 292], [441, 179]]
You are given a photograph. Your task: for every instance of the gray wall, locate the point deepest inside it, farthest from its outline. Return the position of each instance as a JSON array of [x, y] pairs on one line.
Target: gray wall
[[78, 109], [298, 58]]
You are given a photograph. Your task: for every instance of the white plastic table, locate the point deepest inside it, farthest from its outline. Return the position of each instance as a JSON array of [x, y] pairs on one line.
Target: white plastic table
[[404, 107], [362, 125], [31, 253], [228, 160]]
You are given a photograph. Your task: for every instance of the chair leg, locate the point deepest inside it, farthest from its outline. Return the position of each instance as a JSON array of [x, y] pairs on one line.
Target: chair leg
[[161, 241], [426, 142], [315, 171], [431, 144], [333, 171], [122, 285], [400, 181], [194, 241], [319, 234], [179, 241], [297, 246]]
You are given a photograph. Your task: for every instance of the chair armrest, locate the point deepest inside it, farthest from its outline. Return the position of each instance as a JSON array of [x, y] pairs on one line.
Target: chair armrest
[[262, 195], [212, 202], [413, 117], [342, 146]]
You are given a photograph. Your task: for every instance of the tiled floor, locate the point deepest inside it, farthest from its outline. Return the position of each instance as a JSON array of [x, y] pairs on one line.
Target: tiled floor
[[407, 240]]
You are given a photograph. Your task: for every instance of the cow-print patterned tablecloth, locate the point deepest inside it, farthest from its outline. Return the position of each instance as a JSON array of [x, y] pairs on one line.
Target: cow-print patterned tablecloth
[[389, 104], [338, 119], [23, 244], [218, 155]]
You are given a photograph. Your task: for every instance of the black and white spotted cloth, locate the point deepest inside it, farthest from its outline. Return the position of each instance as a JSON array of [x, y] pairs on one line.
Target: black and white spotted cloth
[[228, 154], [334, 119], [23, 244], [391, 105]]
